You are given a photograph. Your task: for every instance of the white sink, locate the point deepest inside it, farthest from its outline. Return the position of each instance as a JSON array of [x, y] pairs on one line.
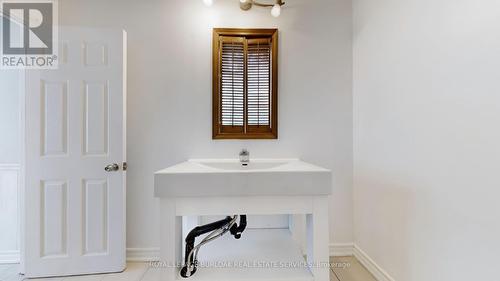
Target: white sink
[[233, 165], [228, 177]]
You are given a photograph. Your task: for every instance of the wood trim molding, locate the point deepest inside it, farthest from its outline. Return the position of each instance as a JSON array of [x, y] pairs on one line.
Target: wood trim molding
[[143, 254], [271, 131], [13, 255], [7, 257], [10, 167], [341, 249], [378, 272]]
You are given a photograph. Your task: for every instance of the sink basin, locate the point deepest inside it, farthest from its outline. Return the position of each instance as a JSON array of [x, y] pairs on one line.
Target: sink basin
[[228, 177], [229, 165]]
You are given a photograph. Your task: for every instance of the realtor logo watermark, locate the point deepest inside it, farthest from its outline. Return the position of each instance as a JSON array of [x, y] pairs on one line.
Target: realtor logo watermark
[[29, 34]]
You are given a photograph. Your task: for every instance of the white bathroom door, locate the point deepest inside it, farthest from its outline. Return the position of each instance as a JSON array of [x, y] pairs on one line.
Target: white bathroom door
[[74, 210]]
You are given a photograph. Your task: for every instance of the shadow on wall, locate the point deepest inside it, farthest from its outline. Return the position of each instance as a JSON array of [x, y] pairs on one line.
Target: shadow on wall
[[392, 215]]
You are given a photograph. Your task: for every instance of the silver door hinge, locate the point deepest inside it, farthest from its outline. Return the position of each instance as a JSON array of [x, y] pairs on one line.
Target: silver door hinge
[[124, 167]]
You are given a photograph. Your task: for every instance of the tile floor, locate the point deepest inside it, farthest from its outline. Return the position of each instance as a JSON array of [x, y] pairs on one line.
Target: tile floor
[[343, 269], [349, 269]]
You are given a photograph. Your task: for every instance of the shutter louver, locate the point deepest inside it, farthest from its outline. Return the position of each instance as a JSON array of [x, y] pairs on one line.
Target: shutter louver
[[258, 82], [232, 84]]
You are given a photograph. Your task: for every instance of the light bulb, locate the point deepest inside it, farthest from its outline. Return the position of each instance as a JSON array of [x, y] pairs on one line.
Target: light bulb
[[243, 1], [208, 2], [276, 10]]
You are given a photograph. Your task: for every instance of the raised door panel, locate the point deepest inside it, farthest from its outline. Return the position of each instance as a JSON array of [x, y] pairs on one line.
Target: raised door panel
[[96, 118], [53, 214], [54, 118], [95, 217]]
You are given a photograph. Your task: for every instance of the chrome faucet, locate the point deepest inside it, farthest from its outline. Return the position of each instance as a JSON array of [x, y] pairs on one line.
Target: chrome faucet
[[244, 156]]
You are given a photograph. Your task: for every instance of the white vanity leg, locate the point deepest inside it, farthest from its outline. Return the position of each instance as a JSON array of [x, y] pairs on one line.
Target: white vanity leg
[[297, 226], [188, 223], [317, 239], [170, 240]]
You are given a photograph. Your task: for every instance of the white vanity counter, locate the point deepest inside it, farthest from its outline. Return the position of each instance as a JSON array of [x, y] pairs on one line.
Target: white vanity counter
[[229, 177], [212, 187]]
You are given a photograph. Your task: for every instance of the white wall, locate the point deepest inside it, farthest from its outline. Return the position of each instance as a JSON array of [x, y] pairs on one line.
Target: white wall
[[427, 137], [9, 116], [9, 164], [169, 87]]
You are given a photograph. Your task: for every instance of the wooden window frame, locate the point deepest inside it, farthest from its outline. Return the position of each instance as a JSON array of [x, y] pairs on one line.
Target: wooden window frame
[[255, 133]]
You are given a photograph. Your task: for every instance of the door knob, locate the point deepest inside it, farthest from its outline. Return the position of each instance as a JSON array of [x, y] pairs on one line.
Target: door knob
[[112, 168]]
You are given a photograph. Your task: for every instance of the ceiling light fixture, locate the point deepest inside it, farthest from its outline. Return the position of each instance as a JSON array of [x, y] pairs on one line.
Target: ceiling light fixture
[[246, 5], [208, 2], [276, 10]]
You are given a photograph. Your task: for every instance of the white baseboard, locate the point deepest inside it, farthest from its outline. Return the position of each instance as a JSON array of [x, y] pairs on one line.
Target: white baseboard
[[351, 249], [143, 254], [341, 249], [153, 254], [15, 167], [9, 257], [336, 250], [371, 265]]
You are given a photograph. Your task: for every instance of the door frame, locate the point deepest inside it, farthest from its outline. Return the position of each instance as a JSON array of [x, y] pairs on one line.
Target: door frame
[[22, 168]]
